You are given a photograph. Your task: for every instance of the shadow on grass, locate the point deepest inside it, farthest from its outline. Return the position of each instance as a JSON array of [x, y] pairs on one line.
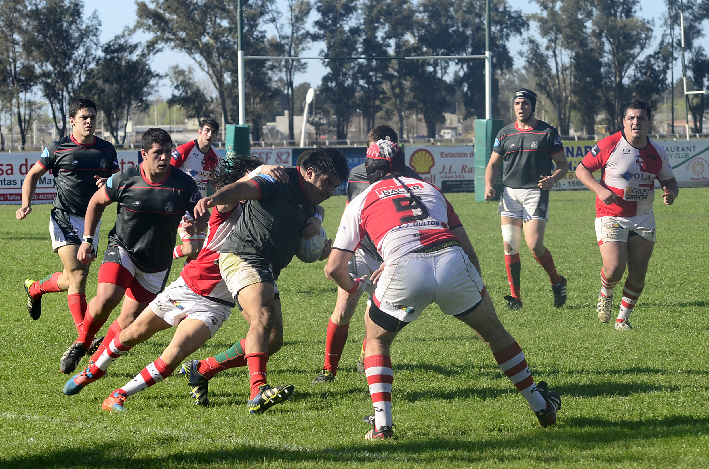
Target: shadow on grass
[[562, 446]]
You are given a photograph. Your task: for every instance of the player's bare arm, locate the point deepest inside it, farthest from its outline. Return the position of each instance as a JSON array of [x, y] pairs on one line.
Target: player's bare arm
[[670, 190], [604, 194], [230, 194], [29, 186], [97, 205], [336, 270], [491, 172], [562, 167]]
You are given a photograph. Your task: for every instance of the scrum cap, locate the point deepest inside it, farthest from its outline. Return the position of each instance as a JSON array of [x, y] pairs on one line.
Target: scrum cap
[[527, 94], [383, 156]]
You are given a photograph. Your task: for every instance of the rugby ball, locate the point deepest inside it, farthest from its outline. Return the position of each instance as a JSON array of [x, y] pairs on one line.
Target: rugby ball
[[310, 250]]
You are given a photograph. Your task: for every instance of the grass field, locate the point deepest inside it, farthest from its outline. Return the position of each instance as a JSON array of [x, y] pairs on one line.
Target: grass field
[[630, 399]]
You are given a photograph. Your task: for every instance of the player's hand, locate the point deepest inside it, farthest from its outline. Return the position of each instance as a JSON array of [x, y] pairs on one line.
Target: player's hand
[[189, 225], [356, 291], [374, 278], [668, 197], [100, 182], [22, 212], [489, 193], [326, 250], [608, 197], [545, 183], [312, 227], [277, 172], [86, 253], [203, 206]]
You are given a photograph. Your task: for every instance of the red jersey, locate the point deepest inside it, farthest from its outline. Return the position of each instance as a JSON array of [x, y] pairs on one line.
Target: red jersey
[[199, 165], [629, 172], [202, 275], [397, 222]]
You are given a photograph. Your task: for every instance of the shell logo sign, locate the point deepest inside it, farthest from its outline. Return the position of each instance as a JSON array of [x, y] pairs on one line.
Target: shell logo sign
[[422, 161]]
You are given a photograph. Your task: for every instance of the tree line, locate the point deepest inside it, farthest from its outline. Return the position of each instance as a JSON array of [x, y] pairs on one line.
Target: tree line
[[585, 57]]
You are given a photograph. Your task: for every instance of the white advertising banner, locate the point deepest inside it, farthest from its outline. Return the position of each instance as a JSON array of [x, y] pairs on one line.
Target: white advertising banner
[[452, 169]]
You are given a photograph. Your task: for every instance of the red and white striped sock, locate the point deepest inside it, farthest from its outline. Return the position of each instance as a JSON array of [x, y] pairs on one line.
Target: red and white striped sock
[[606, 286], [151, 374], [630, 297], [513, 364], [380, 377], [110, 353]]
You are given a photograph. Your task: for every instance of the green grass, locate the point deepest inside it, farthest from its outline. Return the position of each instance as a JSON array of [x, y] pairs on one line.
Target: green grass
[[635, 399]]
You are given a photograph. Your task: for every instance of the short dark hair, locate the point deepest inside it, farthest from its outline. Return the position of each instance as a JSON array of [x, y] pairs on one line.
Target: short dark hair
[[382, 132], [639, 104], [212, 123], [327, 160], [80, 104], [154, 135], [230, 170]]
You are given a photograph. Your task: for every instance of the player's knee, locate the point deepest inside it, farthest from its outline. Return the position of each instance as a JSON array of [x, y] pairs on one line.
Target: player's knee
[[511, 237]]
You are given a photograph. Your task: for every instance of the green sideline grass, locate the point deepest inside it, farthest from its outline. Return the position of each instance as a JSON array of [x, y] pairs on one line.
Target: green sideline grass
[[630, 399]]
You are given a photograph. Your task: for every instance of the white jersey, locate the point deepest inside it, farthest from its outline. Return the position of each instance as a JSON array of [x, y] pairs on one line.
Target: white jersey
[[199, 165], [397, 222]]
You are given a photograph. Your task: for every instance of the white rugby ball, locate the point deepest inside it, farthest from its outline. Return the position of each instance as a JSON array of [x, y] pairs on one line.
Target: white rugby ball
[[311, 249]]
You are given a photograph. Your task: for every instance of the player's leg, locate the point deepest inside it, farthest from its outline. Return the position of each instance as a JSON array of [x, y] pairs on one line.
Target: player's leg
[[639, 253], [73, 280], [511, 360], [190, 335], [379, 371], [337, 332], [147, 325], [511, 238], [534, 236]]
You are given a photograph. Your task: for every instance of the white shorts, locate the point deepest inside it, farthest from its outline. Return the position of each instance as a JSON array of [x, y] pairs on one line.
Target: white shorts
[[178, 302], [620, 228], [65, 229], [526, 204], [361, 264], [240, 272], [414, 281]]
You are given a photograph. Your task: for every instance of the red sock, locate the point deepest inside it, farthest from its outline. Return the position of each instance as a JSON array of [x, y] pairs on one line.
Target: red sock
[[547, 262], [514, 267], [77, 307], [334, 344], [232, 358], [88, 329], [109, 352], [114, 331], [46, 285], [257, 371]]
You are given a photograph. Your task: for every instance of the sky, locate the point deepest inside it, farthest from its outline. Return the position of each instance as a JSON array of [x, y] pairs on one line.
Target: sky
[[115, 15]]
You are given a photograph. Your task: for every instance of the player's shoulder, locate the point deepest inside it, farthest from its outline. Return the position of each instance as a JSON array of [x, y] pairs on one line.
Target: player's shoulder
[[186, 147], [358, 173], [104, 145], [659, 149]]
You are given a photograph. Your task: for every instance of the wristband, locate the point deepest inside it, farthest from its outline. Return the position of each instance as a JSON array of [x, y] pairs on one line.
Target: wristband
[[318, 216], [357, 283], [89, 239]]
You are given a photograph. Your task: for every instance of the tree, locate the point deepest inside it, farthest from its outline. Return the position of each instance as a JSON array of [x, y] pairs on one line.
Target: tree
[[18, 70], [62, 44], [371, 72], [625, 37], [121, 82], [291, 39], [187, 94], [438, 32], [553, 65], [506, 23], [341, 34], [205, 30]]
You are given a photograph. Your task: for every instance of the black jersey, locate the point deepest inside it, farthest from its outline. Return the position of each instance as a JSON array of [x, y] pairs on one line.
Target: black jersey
[[356, 184], [149, 214], [526, 153], [74, 166], [272, 225]]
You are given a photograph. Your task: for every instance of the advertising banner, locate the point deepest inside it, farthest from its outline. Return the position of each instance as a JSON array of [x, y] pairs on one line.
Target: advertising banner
[[452, 169]]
